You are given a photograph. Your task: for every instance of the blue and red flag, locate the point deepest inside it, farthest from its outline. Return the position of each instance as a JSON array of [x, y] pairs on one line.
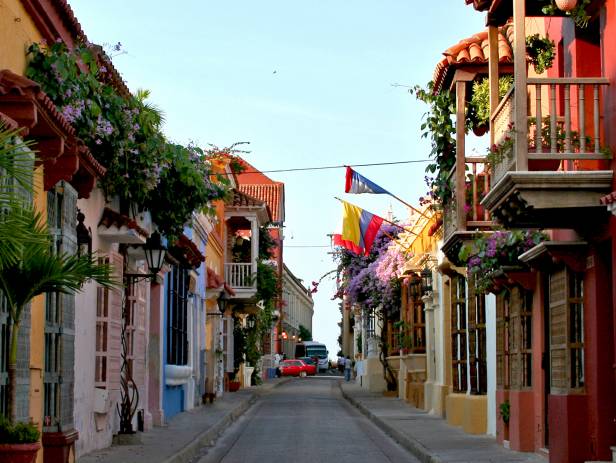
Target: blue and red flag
[[356, 183], [359, 229]]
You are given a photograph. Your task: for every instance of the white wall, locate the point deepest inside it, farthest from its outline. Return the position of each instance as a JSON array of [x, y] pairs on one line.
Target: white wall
[[491, 351], [90, 438]]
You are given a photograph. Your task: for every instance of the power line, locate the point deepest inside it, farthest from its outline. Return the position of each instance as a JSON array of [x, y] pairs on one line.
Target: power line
[[298, 169]]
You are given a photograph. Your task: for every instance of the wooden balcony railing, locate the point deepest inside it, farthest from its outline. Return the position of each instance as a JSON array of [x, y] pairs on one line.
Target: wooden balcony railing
[[472, 215], [239, 275], [564, 129]]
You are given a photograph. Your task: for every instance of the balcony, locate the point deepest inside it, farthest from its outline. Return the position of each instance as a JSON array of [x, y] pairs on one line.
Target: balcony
[[239, 276], [556, 170], [461, 224], [244, 215]]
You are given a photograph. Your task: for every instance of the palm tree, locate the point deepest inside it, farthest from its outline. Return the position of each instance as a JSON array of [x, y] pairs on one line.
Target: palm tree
[[28, 265]]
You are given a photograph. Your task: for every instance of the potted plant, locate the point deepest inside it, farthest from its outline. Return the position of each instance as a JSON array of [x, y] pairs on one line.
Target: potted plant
[[541, 52], [234, 384], [576, 9], [505, 413], [19, 442], [478, 113]]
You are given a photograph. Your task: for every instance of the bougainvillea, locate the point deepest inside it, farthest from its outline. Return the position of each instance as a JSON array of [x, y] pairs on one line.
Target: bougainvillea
[[490, 252], [124, 134], [372, 281]]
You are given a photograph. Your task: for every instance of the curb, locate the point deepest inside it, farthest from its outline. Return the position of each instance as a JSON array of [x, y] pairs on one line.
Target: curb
[[412, 445], [210, 435]]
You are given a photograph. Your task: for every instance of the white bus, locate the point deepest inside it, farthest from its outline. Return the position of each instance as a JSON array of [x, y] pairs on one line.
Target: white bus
[[313, 349]]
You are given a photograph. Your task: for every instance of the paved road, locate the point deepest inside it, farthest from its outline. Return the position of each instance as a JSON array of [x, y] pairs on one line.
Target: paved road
[[305, 420]]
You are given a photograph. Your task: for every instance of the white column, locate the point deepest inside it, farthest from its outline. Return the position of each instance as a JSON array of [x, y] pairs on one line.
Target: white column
[[254, 243], [491, 361]]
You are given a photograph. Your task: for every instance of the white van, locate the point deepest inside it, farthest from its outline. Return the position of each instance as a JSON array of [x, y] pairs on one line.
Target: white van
[[313, 349]]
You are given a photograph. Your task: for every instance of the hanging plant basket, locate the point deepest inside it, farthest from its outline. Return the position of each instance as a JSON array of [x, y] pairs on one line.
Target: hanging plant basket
[[566, 5]]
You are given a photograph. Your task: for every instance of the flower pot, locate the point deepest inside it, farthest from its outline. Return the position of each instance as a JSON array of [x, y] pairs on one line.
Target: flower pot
[[57, 445], [19, 453], [234, 386], [566, 5], [480, 130]]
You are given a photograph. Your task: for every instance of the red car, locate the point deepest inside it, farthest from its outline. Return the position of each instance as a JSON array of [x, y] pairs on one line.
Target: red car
[[296, 368]]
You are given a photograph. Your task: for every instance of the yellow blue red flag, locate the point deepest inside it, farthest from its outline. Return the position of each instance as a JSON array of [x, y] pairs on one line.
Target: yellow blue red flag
[[359, 228]]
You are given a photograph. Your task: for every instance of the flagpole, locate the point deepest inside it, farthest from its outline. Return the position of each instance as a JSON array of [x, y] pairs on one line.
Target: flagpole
[[384, 219], [409, 206]]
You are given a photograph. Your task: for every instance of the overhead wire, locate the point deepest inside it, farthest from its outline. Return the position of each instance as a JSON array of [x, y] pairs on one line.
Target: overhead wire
[[299, 169]]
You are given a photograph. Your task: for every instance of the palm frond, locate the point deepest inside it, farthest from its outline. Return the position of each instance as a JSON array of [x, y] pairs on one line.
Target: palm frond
[[150, 113], [16, 161]]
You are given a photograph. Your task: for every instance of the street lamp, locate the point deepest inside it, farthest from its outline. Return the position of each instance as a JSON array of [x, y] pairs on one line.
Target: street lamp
[[84, 236], [154, 253], [426, 280], [223, 299]]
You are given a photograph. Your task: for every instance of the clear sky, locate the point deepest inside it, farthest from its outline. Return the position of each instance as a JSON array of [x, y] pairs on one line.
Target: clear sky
[[307, 83]]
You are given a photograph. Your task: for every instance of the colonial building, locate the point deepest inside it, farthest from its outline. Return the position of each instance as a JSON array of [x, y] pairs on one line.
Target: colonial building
[[297, 310], [556, 337]]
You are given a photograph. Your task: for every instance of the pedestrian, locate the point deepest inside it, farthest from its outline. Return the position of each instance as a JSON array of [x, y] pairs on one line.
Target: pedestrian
[[341, 364], [347, 369]]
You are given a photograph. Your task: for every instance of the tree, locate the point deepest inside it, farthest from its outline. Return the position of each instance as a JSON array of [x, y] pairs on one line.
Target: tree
[[304, 333], [28, 265]]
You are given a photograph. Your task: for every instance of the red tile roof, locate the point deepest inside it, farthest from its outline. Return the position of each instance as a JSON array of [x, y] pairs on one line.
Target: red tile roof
[[472, 51], [43, 121], [190, 251], [15, 86], [55, 19], [112, 218], [241, 199], [215, 281], [272, 194]]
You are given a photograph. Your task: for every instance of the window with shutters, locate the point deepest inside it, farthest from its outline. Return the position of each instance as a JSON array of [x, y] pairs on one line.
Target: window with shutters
[[477, 341], [502, 340], [415, 333], [59, 355], [102, 334], [566, 293], [370, 323], [458, 333], [520, 337], [177, 316], [514, 335]]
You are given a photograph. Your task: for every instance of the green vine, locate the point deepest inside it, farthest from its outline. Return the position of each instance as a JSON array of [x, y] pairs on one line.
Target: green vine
[[438, 125]]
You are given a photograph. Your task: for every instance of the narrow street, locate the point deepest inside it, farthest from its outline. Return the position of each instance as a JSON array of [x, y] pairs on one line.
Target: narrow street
[[305, 420]]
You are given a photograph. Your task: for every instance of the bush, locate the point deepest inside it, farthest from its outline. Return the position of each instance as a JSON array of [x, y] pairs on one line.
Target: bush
[[18, 433]]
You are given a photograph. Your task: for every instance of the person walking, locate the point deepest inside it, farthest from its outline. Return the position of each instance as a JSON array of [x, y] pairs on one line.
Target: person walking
[[341, 364], [347, 369]]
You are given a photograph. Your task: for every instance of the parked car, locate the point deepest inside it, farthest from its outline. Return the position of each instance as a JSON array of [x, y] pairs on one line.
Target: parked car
[[293, 368], [311, 365]]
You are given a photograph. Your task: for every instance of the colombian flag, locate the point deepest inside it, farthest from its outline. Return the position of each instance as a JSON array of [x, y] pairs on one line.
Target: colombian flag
[[359, 229]]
